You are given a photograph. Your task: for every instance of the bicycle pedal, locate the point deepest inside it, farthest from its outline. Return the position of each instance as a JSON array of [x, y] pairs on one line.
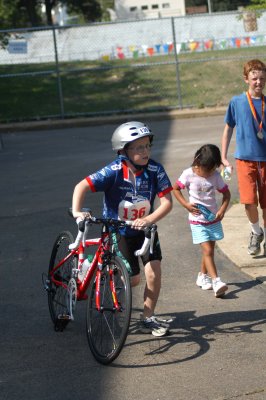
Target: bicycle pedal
[[47, 286], [64, 317], [61, 322], [46, 283]]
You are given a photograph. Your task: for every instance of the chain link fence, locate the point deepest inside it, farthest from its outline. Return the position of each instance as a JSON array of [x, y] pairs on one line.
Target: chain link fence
[[125, 67]]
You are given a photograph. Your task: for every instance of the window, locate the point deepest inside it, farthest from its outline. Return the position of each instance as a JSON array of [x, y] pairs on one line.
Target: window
[[132, 9], [154, 6], [144, 7], [166, 5]]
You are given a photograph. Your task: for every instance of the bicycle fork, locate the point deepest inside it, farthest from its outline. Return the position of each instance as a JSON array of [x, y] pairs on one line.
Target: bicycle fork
[[98, 294]]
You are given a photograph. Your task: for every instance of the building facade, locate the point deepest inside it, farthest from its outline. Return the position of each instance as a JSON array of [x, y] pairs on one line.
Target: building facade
[[139, 9]]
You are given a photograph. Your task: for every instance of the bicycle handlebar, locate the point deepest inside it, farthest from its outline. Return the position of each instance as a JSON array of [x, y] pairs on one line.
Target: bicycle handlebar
[[148, 241], [83, 226]]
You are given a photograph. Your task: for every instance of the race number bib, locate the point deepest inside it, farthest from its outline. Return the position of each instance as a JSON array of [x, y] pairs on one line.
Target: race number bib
[[131, 211]]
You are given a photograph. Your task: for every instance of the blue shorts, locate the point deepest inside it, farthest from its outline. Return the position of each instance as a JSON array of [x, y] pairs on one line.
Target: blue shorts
[[207, 233]]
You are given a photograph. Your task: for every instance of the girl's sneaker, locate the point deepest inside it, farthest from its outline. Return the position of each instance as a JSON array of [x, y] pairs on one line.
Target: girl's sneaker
[[219, 287], [204, 281]]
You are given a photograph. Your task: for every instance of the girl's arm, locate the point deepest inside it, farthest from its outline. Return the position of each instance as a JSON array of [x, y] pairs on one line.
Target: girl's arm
[[225, 203], [192, 208]]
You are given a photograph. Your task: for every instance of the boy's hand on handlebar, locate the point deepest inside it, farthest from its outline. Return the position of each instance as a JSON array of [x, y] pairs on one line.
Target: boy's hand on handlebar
[[80, 215], [140, 223]]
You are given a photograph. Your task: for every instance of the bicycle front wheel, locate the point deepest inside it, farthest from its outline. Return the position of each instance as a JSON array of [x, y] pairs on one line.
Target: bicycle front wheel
[[58, 294], [107, 329]]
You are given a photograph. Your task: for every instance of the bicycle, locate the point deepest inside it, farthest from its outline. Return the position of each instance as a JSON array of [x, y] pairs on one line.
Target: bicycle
[[106, 285]]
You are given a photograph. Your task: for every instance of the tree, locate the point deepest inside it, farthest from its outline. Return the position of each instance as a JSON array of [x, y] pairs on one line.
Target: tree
[[32, 10], [251, 13], [24, 13], [227, 5], [218, 5], [105, 5], [91, 11], [18, 13], [49, 5], [257, 5]]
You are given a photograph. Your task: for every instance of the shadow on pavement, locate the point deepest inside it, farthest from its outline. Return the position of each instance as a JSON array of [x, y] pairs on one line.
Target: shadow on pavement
[[190, 337], [241, 286]]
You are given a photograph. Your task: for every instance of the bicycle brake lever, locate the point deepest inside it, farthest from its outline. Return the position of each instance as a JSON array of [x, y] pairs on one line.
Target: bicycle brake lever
[[153, 229], [152, 240], [81, 225], [80, 236], [87, 227], [147, 232]]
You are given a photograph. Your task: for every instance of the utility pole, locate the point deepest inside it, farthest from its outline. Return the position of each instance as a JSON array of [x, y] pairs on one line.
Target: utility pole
[[209, 7]]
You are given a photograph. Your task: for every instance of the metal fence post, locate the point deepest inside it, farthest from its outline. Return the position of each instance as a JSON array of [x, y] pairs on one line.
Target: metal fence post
[[179, 96], [59, 83], [1, 143]]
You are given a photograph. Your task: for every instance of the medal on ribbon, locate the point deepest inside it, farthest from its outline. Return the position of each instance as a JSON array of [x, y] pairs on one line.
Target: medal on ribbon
[[260, 134], [252, 108]]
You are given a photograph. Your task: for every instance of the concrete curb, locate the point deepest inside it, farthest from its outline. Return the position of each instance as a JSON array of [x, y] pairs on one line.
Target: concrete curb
[[114, 119], [234, 244]]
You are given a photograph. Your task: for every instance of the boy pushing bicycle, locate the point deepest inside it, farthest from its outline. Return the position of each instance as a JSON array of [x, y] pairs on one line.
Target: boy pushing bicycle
[[130, 185]]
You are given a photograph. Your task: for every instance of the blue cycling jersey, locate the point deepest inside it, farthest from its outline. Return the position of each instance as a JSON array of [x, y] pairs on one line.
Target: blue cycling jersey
[[129, 196]]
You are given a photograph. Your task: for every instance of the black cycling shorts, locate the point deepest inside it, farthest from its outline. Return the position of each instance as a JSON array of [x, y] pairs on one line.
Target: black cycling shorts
[[127, 245]]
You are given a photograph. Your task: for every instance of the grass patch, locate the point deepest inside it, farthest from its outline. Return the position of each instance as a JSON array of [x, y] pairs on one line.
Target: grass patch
[[143, 84]]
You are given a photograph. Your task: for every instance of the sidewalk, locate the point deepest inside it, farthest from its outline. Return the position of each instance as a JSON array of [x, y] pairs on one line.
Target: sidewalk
[[235, 242]]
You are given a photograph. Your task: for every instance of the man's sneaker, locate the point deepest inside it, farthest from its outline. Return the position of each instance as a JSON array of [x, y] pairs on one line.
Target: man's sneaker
[[204, 281], [219, 287], [153, 326], [254, 243]]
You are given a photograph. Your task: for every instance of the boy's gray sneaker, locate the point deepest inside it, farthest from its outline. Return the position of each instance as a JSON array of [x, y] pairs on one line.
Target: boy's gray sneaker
[[254, 243], [154, 326]]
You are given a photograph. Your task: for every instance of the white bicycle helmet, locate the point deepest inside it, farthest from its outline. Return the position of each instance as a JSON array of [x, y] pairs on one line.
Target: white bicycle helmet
[[128, 132]]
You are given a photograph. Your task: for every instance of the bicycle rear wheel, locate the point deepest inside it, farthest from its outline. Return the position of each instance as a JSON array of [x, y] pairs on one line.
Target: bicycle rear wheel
[[58, 296], [107, 329]]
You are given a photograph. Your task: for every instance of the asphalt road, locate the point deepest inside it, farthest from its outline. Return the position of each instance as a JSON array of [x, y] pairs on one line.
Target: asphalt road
[[217, 347]]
